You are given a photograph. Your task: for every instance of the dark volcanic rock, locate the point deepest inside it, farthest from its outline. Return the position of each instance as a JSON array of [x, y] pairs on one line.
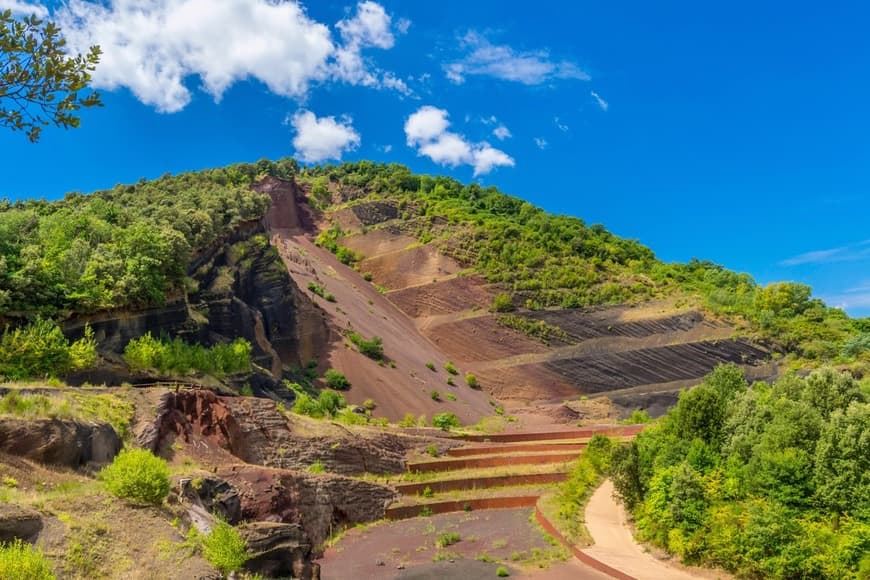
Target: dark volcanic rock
[[320, 503], [19, 522], [279, 550], [215, 495], [59, 442]]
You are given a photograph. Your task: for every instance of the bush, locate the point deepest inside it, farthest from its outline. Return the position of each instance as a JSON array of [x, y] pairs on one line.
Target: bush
[[451, 368], [436, 396], [447, 538], [225, 549], [471, 381], [147, 352], [431, 366], [408, 421], [502, 303], [39, 349], [445, 421], [336, 380], [372, 348], [22, 561], [502, 572], [138, 475]]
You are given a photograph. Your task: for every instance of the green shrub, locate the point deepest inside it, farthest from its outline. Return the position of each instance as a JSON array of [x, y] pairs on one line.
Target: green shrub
[[502, 303], [39, 349], [369, 404], [138, 475], [21, 561], [447, 539], [83, 352], [147, 352], [316, 467], [502, 572], [372, 348], [409, 420], [317, 289], [445, 421], [471, 381], [638, 416], [451, 368], [431, 366], [367, 276], [336, 380], [225, 549], [329, 297], [435, 396], [450, 396]]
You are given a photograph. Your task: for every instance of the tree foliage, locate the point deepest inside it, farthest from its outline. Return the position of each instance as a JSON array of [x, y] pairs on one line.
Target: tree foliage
[[40, 84], [764, 480]]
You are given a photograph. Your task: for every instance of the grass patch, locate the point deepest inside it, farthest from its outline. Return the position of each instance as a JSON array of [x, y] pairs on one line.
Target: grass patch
[[446, 539], [70, 405]]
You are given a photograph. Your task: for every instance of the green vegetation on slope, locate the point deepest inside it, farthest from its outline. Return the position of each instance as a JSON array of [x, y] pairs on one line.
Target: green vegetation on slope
[[81, 405], [768, 481], [558, 261], [126, 246], [177, 356], [40, 350]]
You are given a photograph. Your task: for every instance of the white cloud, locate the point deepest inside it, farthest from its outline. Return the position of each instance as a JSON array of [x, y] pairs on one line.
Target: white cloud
[[153, 47], [849, 253], [24, 8], [503, 62], [319, 139], [425, 125], [541, 143], [501, 132], [560, 125], [601, 102], [426, 130]]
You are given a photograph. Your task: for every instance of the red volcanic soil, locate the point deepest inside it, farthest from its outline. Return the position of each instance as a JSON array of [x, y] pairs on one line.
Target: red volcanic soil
[[411, 545], [398, 387]]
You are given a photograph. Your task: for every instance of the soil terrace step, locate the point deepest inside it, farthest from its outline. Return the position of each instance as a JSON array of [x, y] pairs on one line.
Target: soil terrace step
[[471, 504], [491, 461], [582, 432], [472, 483], [514, 448]]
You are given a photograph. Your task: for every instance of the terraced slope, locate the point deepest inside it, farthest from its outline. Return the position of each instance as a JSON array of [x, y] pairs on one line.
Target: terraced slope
[[401, 382], [640, 355]]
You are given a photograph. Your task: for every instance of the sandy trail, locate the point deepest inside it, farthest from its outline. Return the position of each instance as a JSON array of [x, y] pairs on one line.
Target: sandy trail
[[614, 544]]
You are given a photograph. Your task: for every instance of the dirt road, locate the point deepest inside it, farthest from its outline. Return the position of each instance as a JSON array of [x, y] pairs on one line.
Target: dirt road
[[615, 545]]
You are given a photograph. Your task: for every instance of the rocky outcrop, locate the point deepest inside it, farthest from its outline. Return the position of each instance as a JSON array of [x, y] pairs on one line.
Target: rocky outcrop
[[321, 504], [255, 431], [19, 522], [279, 551], [240, 288], [59, 442], [263, 437], [215, 495]]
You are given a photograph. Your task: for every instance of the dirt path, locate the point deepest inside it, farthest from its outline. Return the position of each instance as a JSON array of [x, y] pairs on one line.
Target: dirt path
[[615, 546]]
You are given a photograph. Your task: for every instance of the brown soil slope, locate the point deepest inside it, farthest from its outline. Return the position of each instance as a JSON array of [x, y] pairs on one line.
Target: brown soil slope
[[402, 383], [641, 354]]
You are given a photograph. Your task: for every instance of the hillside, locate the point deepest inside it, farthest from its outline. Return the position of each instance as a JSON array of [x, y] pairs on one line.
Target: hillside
[[536, 307], [297, 352]]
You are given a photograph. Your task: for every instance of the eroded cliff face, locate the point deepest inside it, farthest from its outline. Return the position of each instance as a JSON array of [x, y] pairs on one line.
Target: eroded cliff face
[[254, 431], [238, 287]]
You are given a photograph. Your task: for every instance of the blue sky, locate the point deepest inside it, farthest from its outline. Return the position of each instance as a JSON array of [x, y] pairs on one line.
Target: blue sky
[[734, 132]]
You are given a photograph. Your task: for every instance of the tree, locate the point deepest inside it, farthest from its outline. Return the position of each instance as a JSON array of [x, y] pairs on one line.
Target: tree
[[39, 82]]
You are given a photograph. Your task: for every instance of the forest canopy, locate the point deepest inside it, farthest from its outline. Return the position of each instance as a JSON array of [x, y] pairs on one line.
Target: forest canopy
[[764, 480]]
